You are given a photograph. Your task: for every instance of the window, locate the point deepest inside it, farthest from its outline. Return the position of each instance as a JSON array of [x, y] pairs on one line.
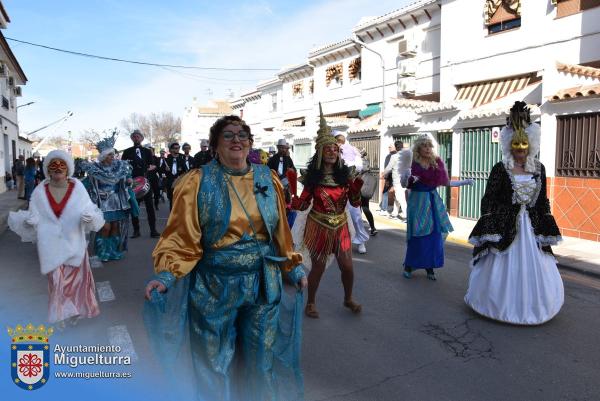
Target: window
[[504, 26], [565, 8], [334, 74], [5, 102], [578, 145], [354, 69], [273, 102], [302, 154], [298, 90], [502, 15]]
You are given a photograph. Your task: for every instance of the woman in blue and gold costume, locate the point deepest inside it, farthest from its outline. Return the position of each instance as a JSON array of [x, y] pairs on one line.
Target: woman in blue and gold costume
[[219, 265]]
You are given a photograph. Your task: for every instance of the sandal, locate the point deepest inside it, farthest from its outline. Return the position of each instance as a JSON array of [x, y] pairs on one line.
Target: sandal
[[311, 311], [353, 306]]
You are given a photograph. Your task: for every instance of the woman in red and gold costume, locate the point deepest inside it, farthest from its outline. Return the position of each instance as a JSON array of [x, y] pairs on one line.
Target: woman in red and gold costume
[[328, 185]]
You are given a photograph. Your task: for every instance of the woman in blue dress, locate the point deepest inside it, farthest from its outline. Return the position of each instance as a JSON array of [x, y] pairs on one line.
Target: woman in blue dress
[[427, 221]]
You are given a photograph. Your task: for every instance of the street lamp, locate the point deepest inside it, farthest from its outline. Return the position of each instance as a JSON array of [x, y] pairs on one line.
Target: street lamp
[[359, 42], [26, 104]]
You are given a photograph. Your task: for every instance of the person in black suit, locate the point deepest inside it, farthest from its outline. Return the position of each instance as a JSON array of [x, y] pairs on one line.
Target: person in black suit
[[188, 159], [281, 161], [142, 162], [175, 166], [153, 176], [204, 156]]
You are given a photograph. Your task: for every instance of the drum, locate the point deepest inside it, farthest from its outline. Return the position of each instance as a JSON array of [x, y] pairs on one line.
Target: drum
[[140, 187]]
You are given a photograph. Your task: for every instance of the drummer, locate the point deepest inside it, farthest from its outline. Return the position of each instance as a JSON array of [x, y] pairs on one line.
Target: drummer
[[142, 162]]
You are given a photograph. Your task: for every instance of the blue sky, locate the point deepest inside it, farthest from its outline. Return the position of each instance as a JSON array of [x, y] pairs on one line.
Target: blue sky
[[236, 34]]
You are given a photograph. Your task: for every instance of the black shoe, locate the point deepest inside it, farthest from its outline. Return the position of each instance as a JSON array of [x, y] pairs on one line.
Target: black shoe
[[136, 233], [374, 232], [154, 234]]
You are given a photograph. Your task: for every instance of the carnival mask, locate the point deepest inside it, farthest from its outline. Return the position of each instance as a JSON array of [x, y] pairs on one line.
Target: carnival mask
[[57, 166], [520, 140]]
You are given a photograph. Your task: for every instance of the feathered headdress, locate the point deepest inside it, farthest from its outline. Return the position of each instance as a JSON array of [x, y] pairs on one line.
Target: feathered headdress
[[324, 137], [520, 129], [106, 145]]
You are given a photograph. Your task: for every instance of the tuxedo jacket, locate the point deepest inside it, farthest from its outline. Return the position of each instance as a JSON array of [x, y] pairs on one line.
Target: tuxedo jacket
[[139, 165]]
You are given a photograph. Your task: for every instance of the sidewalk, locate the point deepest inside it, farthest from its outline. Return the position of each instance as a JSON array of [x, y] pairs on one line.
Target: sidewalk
[[572, 253], [9, 203]]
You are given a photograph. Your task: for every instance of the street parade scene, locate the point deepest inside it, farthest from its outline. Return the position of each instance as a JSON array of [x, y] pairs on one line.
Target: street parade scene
[[288, 201]]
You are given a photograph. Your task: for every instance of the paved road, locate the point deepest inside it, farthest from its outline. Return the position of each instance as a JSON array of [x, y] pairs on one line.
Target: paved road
[[415, 340]]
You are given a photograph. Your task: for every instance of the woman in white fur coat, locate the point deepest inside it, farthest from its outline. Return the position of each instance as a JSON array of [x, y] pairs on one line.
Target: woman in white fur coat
[[60, 213]]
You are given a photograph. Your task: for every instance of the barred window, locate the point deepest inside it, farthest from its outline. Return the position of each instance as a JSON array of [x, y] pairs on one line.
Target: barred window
[[578, 145]]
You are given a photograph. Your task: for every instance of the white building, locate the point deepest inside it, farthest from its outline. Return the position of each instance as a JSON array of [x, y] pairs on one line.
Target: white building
[[11, 79], [197, 120]]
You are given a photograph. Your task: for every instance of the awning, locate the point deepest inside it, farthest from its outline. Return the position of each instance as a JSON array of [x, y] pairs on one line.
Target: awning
[[371, 123], [485, 92], [294, 122], [370, 110]]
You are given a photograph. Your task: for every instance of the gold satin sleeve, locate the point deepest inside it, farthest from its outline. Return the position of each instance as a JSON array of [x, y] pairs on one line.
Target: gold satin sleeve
[[179, 247], [282, 237]]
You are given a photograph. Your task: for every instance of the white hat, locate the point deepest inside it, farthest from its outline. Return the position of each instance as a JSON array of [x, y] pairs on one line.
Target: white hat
[[283, 142], [336, 133], [62, 155], [204, 142]]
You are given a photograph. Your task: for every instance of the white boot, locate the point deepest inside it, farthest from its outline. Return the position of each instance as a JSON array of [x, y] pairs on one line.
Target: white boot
[[362, 249]]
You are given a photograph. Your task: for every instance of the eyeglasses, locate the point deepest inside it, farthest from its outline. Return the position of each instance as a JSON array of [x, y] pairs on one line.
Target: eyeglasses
[[243, 136]]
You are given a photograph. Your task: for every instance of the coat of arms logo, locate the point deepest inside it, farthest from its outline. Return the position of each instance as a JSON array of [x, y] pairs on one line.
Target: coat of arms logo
[[30, 355]]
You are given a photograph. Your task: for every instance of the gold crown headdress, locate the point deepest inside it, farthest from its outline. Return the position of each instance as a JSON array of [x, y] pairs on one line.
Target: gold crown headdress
[[324, 137], [30, 333], [519, 118]]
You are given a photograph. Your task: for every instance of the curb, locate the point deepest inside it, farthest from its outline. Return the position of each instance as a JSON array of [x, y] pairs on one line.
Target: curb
[[595, 273]]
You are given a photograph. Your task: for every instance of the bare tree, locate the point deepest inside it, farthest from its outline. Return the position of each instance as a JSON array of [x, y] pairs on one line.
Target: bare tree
[[163, 127], [90, 136], [136, 121]]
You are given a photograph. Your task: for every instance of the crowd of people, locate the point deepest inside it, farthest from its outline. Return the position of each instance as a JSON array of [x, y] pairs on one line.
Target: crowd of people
[[241, 244]]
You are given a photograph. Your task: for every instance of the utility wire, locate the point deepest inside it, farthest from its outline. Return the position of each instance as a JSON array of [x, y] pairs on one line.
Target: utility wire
[[191, 67], [200, 77]]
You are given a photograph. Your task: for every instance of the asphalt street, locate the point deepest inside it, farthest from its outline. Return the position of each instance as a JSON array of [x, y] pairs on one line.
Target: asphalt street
[[415, 340]]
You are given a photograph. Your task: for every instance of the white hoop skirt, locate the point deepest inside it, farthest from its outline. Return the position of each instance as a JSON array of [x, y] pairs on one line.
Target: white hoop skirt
[[521, 285]]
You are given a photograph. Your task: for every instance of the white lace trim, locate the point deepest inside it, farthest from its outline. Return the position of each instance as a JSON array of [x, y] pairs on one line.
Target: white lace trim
[[480, 240]]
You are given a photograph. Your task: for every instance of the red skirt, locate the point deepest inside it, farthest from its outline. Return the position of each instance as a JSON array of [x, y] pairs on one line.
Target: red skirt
[[322, 241]]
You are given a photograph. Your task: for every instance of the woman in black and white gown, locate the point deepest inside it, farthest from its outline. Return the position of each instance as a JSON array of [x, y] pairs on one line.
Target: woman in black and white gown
[[514, 277]]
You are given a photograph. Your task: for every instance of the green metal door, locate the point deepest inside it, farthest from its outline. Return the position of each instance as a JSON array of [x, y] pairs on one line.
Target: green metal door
[[478, 156], [445, 152]]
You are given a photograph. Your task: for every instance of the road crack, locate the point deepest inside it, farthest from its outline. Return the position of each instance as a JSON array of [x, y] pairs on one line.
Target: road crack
[[461, 340]]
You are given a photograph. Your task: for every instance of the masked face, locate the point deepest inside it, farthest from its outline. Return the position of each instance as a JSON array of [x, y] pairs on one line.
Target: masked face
[[519, 144], [57, 166]]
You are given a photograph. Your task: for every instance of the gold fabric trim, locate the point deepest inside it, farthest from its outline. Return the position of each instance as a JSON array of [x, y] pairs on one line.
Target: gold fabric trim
[[332, 221]]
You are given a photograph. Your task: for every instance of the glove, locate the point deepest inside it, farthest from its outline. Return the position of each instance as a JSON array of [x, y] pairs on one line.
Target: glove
[[32, 220], [461, 183], [292, 177], [86, 217], [356, 185]]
